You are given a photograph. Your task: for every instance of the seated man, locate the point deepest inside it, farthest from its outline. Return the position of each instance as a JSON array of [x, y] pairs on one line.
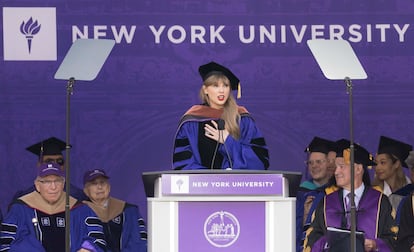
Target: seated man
[[373, 209], [48, 151], [321, 166], [36, 221], [123, 224]]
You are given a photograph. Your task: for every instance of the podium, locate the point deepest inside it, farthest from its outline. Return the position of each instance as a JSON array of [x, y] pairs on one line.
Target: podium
[[219, 210]]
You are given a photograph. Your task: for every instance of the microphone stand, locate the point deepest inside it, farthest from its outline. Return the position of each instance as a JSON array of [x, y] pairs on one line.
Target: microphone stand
[[69, 92], [214, 156], [351, 140], [227, 151], [221, 127]]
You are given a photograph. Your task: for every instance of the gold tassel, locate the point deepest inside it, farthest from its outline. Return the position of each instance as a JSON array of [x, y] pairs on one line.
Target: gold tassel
[[372, 159], [238, 91], [347, 156]]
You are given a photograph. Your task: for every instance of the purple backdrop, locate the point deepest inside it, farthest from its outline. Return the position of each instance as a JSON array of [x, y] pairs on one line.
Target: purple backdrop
[[124, 121]]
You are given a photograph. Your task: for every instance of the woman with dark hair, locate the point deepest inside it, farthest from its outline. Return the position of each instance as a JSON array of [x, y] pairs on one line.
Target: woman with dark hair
[[219, 134], [389, 174]]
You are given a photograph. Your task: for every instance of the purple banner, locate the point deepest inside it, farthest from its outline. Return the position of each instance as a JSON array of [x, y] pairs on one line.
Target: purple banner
[[223, 184], [221, 226], [124, 121]]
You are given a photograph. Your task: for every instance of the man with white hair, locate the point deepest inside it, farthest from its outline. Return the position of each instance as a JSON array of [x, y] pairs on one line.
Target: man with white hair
[[36, 221], [124, 227], [373, 210]]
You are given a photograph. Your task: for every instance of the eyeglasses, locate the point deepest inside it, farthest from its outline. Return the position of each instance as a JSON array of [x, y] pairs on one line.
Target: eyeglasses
[[317, 162], [48, 183], [99, 183], [59, 161]]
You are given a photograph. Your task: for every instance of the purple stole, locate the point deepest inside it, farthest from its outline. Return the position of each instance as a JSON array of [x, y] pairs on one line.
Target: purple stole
[[367, 213]]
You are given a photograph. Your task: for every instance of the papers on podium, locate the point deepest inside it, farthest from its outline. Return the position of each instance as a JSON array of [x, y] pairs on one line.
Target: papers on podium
[[339, 240]]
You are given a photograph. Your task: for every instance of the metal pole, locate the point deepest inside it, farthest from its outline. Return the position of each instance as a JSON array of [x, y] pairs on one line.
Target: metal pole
[[69, 92], [353, 207]]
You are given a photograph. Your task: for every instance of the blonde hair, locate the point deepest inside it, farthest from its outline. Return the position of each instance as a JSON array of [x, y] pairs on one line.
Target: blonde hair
[[230, 114], [400, 179]]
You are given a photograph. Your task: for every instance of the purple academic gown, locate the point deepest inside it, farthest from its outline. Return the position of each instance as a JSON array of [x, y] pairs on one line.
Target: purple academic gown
[[373, 217]]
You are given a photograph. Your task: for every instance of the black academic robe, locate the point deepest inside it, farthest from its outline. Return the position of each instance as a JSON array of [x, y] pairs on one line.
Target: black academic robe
[[406, 229], [373, 217]]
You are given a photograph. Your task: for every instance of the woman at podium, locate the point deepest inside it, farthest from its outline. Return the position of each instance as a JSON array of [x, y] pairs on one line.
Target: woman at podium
[[219, 134]]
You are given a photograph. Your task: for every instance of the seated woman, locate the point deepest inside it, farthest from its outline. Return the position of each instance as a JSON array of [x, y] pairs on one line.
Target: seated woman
[[219, 134], [389, 174], [124, 227]]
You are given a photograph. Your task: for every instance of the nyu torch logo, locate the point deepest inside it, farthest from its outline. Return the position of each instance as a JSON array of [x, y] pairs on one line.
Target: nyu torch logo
[[29, 33], [29, 29]]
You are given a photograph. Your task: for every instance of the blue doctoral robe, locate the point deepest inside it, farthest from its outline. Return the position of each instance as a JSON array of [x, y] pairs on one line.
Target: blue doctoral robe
[[25, 228], [306, 189], [193, 150], [124, 227], [399, 197]]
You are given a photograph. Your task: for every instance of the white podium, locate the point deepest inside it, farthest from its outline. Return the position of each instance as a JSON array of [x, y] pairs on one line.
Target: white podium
[[216, 210]]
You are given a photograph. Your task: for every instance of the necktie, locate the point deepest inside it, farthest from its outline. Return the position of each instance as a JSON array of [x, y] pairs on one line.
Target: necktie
[[348, 210]]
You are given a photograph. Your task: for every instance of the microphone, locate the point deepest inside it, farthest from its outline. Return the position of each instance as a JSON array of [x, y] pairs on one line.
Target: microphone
[[35, 224], [221, 123], [220, 127]]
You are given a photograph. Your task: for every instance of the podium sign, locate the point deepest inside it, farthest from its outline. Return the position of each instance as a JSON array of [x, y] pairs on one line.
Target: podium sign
[[231, 184], [223, 211]]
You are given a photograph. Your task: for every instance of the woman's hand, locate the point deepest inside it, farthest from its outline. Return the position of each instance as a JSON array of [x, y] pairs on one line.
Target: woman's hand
[[212, 132]]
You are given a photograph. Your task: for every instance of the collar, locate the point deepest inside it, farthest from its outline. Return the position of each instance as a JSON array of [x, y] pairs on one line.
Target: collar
[[358, 193]]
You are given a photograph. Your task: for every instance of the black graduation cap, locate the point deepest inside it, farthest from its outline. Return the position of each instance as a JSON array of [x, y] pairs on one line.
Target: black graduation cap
[[361, 155], [394, 147], [211, 68], [319, 144], [50, 146]]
